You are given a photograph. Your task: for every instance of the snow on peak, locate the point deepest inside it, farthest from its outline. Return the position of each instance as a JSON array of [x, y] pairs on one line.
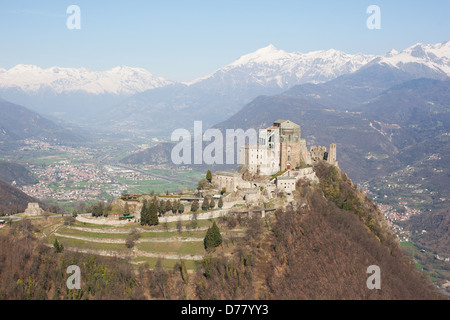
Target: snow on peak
[[392, 53], [269, 50], [275, 67], [267, 54], [119, 80], [25, 68], [267, 66], [434, 56]]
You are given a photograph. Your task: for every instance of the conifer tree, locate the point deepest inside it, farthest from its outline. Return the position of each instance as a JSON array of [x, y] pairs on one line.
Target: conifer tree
[[205, 204], [216, 235], [175, 205], [153, 214], [160, 206], [220, 204], [144, 214], [208, 240], [168, 205], [212, 238], [212, 203], [194, 206], [209, 176], [58, 246]]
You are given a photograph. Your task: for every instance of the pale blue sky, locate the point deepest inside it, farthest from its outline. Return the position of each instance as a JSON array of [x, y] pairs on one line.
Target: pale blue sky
[[182, 40]]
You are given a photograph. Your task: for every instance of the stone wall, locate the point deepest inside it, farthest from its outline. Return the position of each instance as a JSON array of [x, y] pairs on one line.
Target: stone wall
[[317, 153], [232, 181]]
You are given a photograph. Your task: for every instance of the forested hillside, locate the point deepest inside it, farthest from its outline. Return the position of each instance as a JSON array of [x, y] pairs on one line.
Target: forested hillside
[[319, 247]]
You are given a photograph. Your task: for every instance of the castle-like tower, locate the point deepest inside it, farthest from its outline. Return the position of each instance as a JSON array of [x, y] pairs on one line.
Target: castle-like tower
[[332, 154], [290, 153], [281, 148]]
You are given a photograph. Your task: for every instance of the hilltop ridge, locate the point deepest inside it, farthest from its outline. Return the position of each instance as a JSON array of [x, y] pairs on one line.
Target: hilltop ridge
[[318, 248]]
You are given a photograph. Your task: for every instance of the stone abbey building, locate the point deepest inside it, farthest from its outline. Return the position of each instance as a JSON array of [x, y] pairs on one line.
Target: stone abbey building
[[280, 147], [280, 150]]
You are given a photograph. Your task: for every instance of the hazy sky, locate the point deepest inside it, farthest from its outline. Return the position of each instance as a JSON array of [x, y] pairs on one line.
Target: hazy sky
[[182, 40]]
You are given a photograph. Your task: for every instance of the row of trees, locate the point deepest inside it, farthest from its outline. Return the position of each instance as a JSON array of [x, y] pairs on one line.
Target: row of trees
[[163, 207], [206, 204], [97, 210]]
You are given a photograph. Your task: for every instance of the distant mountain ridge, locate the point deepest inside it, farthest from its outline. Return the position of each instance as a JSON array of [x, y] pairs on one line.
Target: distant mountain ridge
[[158, 106], [19, 123], [74, 94], [13, 200], [270, 66], [266, 66], [331, 78], [396, 128], [121, 80], [16, 174], [421, 60]]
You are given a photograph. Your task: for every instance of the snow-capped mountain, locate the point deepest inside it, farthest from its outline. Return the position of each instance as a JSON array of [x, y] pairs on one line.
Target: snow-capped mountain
[[271, 67], [420, 60], [120, 80], [344, 79], [125, 95], [266, 67]]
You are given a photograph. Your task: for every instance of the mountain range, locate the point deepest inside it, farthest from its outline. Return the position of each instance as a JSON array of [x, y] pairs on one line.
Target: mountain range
[[127, 97], [121, 80], [384, 112], [398, 126]]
